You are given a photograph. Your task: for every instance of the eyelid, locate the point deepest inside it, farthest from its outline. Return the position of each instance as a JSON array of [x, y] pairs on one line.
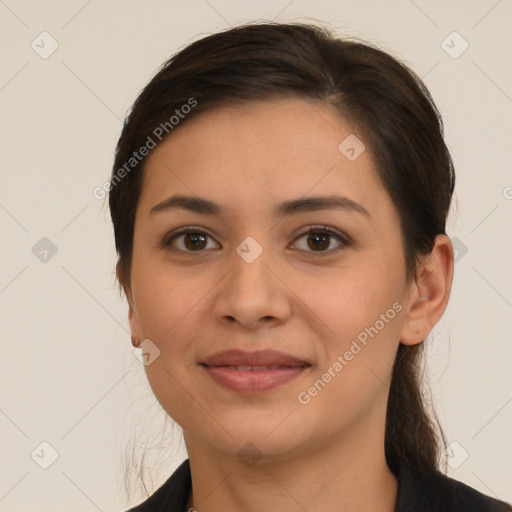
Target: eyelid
[[342, 238], [170, 237]]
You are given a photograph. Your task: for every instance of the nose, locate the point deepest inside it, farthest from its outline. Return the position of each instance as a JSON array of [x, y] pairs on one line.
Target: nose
[[253, 295]]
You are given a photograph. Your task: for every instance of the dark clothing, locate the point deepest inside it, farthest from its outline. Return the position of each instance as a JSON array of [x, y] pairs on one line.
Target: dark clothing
[[438, 493]]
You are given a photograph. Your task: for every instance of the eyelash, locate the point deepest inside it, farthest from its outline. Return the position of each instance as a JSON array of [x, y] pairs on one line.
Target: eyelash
[[344, 240]]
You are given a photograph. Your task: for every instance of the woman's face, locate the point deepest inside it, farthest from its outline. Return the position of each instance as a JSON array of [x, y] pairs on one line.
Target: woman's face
[[259, 276]]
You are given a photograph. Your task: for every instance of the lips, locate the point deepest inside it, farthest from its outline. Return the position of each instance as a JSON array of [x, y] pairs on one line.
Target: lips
[[252, 372], [256, 368], [254, 359]]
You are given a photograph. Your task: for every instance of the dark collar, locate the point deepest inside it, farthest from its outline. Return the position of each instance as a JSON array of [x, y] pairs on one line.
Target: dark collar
[[436, 492], [433, 492]]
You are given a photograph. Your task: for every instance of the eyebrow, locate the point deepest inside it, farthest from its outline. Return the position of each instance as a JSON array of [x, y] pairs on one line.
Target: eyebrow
[[205, 206]]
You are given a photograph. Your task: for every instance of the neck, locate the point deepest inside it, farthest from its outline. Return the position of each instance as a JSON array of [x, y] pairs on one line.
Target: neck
[[352, 476]]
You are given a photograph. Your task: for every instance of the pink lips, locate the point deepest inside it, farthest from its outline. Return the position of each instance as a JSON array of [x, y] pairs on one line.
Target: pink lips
[[252, 372]]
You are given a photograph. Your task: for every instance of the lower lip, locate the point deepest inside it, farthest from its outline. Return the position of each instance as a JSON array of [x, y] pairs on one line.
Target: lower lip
[[253, 381]]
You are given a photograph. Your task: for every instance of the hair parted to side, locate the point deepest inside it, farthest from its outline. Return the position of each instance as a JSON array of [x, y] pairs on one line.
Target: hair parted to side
[[375, 92]]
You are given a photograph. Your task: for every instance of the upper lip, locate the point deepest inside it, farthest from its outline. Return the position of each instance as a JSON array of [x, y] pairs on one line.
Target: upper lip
[[257, 358]]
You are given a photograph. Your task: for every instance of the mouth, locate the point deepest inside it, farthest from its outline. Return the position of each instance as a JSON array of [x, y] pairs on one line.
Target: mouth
[[249, 368], [253, 372]]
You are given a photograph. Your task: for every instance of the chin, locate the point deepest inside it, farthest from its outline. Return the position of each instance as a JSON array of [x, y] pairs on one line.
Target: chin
[[259, 436]]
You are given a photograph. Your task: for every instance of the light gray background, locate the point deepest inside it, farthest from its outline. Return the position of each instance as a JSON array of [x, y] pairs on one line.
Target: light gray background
[[68, 375]]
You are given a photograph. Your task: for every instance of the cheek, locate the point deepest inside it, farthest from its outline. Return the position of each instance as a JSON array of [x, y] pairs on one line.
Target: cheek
[[364, 320], [167, 310], [362, 313], [164, 301], [354, 299]]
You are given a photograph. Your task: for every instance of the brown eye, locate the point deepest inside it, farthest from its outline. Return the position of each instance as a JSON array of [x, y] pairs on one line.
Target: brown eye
[[194, 241], [316, 240], [320, 240], [189, 241]]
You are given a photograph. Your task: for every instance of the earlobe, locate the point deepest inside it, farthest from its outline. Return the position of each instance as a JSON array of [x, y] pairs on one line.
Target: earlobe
[[429, 292], [132, 317], [119, 275], [133, 321], [125, 286]]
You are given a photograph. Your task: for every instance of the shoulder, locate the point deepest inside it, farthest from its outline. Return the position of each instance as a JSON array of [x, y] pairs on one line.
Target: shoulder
[[172, 496], [440, 493]]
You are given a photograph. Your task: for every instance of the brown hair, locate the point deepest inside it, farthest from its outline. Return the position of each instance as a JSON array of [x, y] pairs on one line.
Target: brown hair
[[382, 97]]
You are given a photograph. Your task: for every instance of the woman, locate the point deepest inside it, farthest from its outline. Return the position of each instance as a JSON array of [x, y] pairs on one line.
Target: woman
[[279, 199]]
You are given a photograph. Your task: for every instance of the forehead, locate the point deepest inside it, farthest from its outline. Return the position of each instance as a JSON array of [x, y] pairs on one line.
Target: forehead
[[304, 129], [257, 152]]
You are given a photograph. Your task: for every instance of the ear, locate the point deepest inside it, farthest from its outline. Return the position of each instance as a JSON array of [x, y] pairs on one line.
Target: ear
[[429, 292], [132, 317]]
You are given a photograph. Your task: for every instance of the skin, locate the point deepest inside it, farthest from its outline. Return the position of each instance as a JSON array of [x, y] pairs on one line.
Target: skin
[[306, 301]]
